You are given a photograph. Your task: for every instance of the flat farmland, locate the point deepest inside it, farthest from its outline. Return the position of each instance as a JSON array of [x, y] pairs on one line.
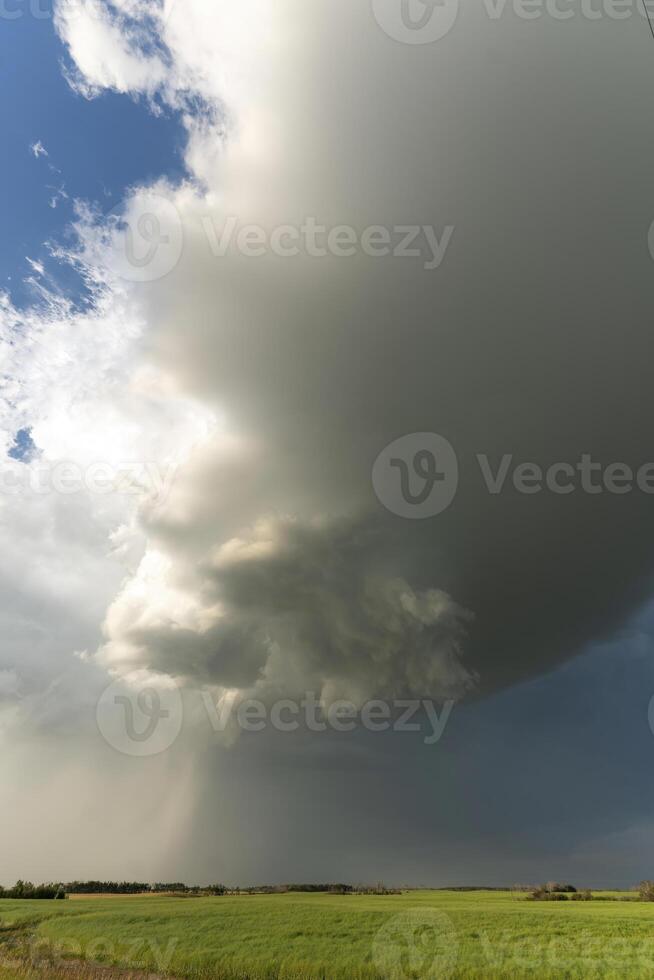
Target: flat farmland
[[299, 936]]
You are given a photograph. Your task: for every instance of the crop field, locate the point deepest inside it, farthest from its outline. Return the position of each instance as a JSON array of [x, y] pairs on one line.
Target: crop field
[[298, 936]]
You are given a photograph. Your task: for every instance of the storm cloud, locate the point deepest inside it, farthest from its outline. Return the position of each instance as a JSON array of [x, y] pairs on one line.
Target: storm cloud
[[530, 338], [269, 383]]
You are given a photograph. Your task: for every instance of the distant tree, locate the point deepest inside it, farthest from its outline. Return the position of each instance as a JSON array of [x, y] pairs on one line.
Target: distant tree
[[646, 891], [26, 890], [546, 894]]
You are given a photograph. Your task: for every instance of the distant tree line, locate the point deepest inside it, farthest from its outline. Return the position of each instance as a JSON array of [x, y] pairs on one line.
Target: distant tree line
[[482, 888], [25, 889], [106, 887], [140, 888], [554, 891], [331, 889], [335, 889], [180, 888]]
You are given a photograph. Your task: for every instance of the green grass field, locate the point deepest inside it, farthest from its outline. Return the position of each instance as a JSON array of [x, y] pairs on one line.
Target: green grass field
[[306, 937]]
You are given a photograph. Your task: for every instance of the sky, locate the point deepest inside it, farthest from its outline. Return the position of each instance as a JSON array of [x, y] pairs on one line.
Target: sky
[[91, 150], [325, 341]]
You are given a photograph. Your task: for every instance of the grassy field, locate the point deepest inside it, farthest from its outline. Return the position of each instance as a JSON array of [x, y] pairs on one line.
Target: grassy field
[[324, 937]]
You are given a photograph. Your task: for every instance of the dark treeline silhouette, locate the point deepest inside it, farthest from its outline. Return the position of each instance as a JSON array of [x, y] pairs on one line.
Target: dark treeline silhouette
[[332, 889], [140, 888], [554, 891], [25, 889], [179, 888], [479, 888], [106, 887], [335, 889]]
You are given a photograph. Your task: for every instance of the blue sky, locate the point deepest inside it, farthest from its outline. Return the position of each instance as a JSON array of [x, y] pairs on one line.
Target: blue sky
[[100, 146]]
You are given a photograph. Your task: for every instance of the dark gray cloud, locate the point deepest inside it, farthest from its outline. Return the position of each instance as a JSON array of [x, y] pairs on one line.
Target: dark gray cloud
[[532, 338], [308, 606]]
